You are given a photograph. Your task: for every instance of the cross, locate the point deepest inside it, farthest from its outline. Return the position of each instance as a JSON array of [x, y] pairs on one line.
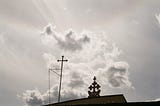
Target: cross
[[62, 60]]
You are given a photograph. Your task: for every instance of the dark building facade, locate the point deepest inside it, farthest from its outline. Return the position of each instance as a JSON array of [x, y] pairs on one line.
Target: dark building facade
[[94, 98], [90, 101]]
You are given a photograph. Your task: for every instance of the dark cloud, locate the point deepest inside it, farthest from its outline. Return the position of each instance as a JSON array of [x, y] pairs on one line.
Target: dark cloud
[[48, 30], [118, 74], [68, 41]]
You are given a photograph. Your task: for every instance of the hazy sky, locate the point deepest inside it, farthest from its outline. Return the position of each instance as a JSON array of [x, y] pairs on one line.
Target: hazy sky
[[115, 40]]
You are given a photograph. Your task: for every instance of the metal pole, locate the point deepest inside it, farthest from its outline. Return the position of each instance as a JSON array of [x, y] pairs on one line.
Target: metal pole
[[59, 96], [49, 85], [49, 81]]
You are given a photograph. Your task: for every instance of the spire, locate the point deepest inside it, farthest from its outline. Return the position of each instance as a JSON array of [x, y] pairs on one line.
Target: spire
[[94, 90]]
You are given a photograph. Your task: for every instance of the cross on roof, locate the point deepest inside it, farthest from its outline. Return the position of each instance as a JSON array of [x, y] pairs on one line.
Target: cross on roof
[[60, 75], [94, 90], [62, 60]]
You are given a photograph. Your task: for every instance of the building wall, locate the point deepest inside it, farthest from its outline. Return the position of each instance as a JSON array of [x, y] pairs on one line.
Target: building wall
[[97, 100]]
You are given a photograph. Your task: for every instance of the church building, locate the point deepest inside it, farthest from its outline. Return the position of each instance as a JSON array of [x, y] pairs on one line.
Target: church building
[[93, 98]]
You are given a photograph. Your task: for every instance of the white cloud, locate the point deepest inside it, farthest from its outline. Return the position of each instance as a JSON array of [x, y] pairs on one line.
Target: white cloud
[[90, 54], [158, 18], [154, 100], [158, 99], [50, 60], [33, 97], [69, 40], [2, 39], [118, 74]]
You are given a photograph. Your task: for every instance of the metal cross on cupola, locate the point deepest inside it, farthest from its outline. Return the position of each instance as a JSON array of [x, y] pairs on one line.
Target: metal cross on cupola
[[62, 60], [94, 90]]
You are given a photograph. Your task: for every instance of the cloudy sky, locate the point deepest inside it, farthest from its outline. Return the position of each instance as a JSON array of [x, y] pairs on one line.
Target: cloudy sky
[[115, 40]]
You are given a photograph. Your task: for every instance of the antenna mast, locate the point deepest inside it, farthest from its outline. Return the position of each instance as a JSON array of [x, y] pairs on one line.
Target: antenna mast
[[49, 82]]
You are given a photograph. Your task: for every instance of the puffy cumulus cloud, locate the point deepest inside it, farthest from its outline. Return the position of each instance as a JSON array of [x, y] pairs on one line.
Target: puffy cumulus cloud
[[72, 94], [158, 99], [51, 61], [118, 74], [35, 98], [49, 29], [154, 100], [2, 39], [69, 40], [97, 57], [72, 43], [32, 98], [89, 54], [158, 18]]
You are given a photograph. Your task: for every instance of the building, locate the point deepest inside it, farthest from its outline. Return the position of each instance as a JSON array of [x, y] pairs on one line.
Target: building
[[93, 98], [92, 101]]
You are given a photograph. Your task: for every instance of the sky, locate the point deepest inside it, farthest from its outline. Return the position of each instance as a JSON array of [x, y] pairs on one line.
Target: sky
[[115, 40]]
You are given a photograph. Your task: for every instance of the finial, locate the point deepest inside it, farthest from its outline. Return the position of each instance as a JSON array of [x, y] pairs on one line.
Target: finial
[[94, 90], [94, 78]]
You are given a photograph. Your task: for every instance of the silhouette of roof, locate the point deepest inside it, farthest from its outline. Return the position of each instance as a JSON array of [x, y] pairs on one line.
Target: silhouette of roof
[[94, 100]]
